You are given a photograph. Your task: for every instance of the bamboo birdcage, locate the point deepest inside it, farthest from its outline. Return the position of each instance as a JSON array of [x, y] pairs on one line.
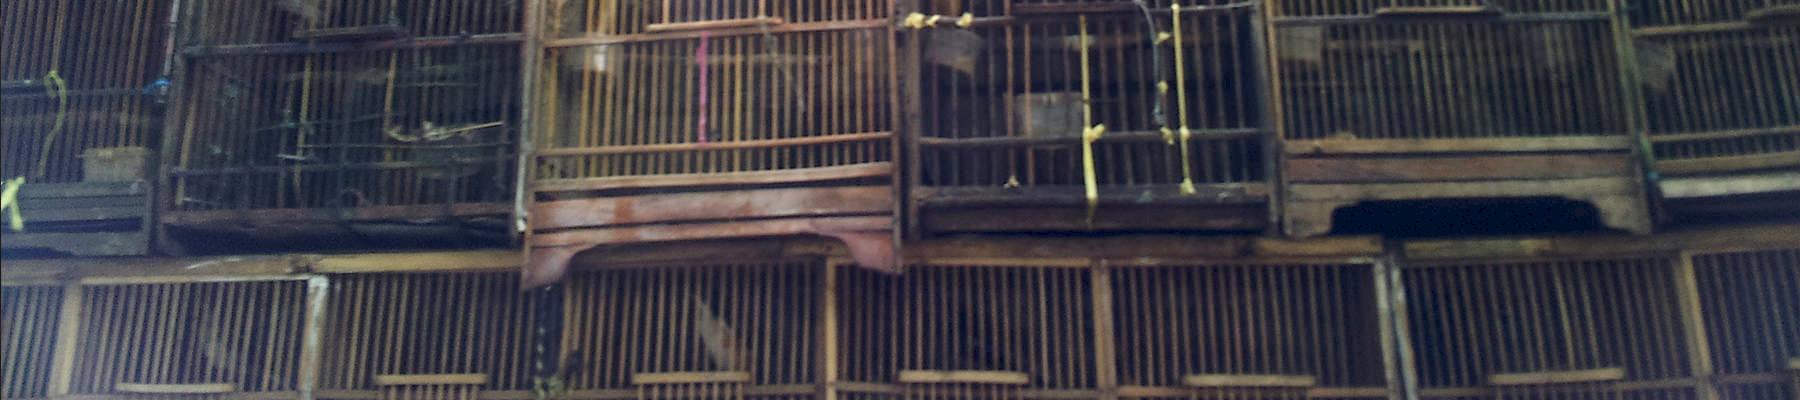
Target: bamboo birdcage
[[1719, 87], [1250, 331], [708, 330], [1750, 302], [197, 339], [1385, 100], [309, 118], [1539, 329], [1033, 321], [1007, 99], [712, 119], [446, 335]]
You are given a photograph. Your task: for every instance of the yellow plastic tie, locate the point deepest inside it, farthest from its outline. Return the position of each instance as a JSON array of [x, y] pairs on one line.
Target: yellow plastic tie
[[1089, 134], [55, 86], [933, 20], [915, 21], [967, 20], [1187, 168], [9, 200], [1168, 136], [1162, 37]]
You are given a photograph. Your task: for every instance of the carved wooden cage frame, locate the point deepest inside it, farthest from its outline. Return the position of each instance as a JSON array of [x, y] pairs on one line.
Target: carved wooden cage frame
[[1411, 100], [661, 120]]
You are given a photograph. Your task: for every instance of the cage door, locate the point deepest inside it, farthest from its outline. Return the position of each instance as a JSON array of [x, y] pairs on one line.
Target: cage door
[[1587, 384], [726, 385], [1238, 386], [430, 386], [961, 384]]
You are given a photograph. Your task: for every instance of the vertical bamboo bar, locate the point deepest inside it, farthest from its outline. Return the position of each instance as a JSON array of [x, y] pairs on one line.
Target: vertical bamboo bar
[[828, 331], [1105, 353], [68, 337], [1693, 324], [318, 289]]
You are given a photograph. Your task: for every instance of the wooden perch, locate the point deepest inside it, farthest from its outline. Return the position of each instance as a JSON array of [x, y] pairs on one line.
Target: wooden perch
[[184, 388], [675, 378], [964, 376], [713, 24], [1249, 381], [431, 379], [1557, 377], [1438, 12]]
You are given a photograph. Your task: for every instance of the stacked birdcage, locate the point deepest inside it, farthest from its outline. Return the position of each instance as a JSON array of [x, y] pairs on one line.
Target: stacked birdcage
[[81, 87], [669, 120], [1721, 95], [1750, 302], [1089, 115], [189, 340], [1391, 100], [309, 113]]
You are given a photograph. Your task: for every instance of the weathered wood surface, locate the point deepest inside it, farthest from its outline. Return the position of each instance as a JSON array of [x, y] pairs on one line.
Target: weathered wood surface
[[1457, 168], [712, 206]]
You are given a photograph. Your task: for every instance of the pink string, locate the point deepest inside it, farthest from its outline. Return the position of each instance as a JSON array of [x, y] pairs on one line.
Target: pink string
[[700, 62]]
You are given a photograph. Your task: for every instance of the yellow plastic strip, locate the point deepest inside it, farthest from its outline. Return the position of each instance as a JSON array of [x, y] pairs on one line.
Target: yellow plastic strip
[[1091, 133], [9, 200], [1187, 168], [56, 86]]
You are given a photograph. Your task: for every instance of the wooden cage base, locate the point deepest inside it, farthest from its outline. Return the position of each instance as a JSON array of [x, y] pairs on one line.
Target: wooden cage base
[[1308, 209], [1218, 207]]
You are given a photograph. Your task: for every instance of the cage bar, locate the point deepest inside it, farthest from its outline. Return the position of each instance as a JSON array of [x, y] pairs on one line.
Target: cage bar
[[1382, 100], [425, 335], [28, 326], [1751, 312], [190, 340]]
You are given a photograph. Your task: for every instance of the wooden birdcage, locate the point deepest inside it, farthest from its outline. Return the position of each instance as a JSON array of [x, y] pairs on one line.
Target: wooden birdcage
[[28, 325], [970, 332], [1750, 302], [713, 331], [323, 134], [1249, 331], [1719, 94], [1544, 329], [659, 120], [81, 87], [1390, 100], [1012, 100], [441, 335], [190, 340]]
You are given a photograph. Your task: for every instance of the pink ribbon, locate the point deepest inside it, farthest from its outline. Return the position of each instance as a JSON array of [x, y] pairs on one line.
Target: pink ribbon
[[700, 62]]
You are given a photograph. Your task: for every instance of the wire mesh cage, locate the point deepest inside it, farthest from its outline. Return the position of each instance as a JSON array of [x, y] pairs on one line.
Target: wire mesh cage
[[706, 330], [443, 333], [1033, 321], [1008, 98], [198, 339], [1719, 95], [321, 114], [1748, 302], [1523, 325], [1255, 331], [28, 326]]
